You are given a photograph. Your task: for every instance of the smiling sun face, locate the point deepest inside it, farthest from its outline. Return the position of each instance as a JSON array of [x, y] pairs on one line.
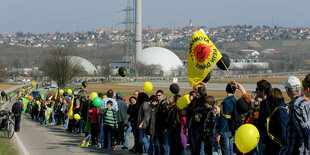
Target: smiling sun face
[[202, 52]]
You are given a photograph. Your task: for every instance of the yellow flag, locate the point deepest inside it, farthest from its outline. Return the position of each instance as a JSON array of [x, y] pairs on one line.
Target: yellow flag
[[56, 94], [70, 113], [202, 56]]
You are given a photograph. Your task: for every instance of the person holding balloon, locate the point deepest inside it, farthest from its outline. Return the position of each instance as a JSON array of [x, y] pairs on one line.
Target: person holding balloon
[[179, 133], [94, 123], [194, 112], [76, 110]]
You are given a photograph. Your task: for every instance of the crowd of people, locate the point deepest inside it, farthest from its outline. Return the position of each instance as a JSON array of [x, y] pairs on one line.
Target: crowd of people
[[204, 126]]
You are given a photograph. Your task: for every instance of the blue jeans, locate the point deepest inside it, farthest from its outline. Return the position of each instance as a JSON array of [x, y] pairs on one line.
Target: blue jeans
[[82, 125], [109, 136], [52, 117], [65, 121], [202, 147], [101, 132], [151, 147], [128, 131], [194, 135], [227, 143], [161, 143], [144, 139], [216, 148]]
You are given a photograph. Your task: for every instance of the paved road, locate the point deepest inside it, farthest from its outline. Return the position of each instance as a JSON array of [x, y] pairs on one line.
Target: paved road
[[53, 140], [211, 86]]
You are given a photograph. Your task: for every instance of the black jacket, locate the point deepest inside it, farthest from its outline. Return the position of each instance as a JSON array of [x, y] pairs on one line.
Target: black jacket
[[264, 112], [133, 111], [196, 107], [161, 116]]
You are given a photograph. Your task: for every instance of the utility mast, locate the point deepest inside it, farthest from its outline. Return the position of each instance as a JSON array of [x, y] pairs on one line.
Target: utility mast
[[129, 52]]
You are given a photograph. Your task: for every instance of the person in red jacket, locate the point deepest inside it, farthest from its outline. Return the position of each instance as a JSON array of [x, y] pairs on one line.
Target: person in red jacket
[[94, 124]]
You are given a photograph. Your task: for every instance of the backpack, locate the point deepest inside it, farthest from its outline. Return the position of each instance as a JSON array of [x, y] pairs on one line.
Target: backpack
[[235, 121], [16, 108]]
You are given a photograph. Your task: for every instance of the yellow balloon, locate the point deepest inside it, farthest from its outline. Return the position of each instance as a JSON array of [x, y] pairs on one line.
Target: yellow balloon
[[38, 102], [246, 138], [69, 91], [61, 91], [93, 95], [183, 101], [77, 116], [148, 86]]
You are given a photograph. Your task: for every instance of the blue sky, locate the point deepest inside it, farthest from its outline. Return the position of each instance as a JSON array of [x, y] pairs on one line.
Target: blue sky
[[49, 16]]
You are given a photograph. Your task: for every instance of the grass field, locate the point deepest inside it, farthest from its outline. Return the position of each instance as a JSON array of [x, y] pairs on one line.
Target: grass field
[[6, 146], [4, 86]]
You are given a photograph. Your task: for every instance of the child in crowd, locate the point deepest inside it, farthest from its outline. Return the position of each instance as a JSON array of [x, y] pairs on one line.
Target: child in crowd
[[216, 148], [94, 124], [110, 124], [207, 122]]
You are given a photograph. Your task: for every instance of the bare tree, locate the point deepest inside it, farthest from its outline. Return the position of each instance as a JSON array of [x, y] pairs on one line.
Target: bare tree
[[106, 70], [60, 67], [2, 70], [148, 70], [17, 65]]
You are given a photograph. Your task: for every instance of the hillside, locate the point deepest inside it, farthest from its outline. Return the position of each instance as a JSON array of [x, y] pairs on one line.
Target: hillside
[[294, 53]]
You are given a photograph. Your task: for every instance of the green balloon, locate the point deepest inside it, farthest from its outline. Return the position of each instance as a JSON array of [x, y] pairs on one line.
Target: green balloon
[[98, 102], [42, 96]]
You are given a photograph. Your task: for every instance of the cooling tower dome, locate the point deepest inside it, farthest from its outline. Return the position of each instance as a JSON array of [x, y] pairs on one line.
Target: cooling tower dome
[[161, 56], [87, 65]]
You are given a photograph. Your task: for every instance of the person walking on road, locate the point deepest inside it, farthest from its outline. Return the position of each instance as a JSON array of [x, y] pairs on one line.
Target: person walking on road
[[17, 109]]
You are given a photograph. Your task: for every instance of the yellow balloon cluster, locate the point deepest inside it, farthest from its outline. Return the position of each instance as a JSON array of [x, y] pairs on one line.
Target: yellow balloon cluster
[[246, 138], [148, 86]]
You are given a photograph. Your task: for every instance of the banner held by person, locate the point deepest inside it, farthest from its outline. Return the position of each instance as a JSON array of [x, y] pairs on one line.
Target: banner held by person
[[202, 56], [25, 104]]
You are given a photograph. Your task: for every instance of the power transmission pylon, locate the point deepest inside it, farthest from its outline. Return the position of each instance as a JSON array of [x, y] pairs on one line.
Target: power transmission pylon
[[129, 54]]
